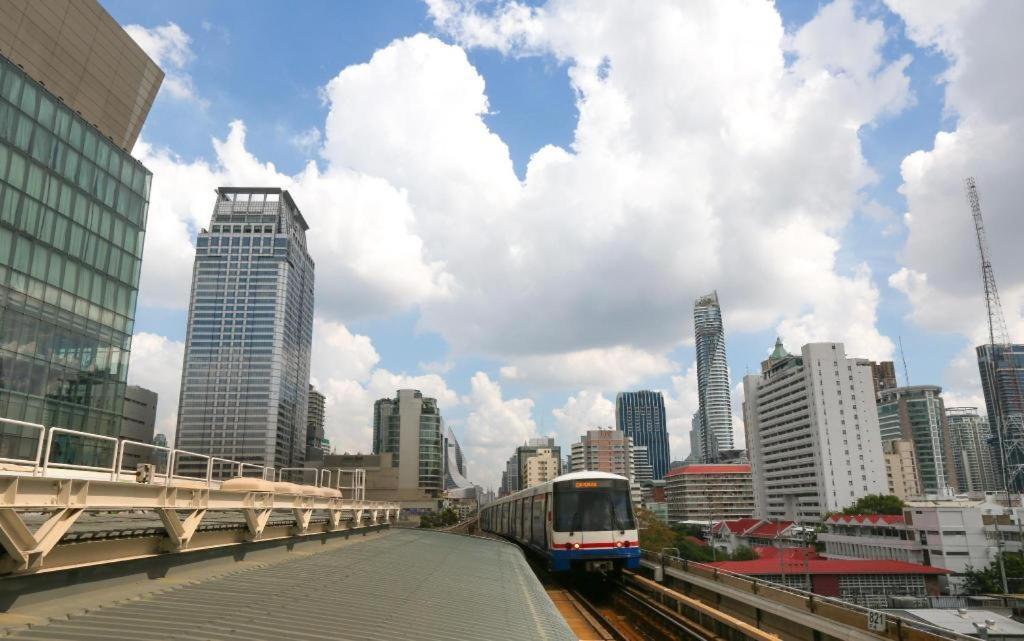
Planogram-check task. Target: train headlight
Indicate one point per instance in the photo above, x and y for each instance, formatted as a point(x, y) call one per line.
point(575, 546)
point(618, 544)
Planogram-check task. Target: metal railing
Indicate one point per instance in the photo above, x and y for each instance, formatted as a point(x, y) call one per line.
point(811, 602)
point(39, 444)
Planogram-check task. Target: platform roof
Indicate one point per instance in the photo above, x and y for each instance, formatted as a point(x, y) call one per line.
point(398, 584)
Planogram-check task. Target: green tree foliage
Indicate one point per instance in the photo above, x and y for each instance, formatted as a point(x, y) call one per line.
point(444, 518)
point(744, 553)
point(654, 534)
point(876, 504)
point(988, 580)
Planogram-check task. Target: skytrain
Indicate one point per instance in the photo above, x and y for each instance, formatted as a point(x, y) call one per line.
point(582, 521)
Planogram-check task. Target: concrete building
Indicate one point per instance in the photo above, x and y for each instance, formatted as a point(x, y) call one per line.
point(812, 433)
point(603, 451)
point(316, 444)
point(1002, 381)
point(709, 492)
point(641, 417)
point(642, 470)
point(245, 380)
point(532, 448)
point(84, 59)
point(138, 424)
point(410, 428)
point(541, 468)
point(954, 534)
point(901, 468)
point(713, 393)
point(917, 414)
point(974, 454)
point(883, 375)
point(74, 90)
point(384, 482)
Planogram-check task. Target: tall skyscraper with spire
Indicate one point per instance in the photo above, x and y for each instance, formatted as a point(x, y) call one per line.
point(715, 411)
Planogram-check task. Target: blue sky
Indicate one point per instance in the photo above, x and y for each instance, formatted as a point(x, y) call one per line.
point(268, 66)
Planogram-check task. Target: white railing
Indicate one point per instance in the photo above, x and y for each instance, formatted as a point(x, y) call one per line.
point(75, 466)
point(119, 465)
point(39, 445)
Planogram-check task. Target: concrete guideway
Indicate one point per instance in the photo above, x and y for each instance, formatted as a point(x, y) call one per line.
point(395, 584)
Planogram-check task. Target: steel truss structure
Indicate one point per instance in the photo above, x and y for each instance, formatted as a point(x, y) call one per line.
point(59, 493)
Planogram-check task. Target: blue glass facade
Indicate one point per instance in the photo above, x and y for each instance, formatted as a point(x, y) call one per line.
point(73, 210)
point(641, 416)
point(245, 380)
point(1002, 381)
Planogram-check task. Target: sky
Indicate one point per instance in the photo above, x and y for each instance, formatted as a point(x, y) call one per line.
point(514, 205)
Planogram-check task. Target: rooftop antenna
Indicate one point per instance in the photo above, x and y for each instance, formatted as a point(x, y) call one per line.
point(903, 357)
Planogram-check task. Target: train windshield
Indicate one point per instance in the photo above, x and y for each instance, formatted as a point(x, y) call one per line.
point(592, 505)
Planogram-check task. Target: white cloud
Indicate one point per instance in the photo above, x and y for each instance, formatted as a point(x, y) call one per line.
point(613, 368)
point(306, 141)
point(493, 428)
point(681, 401)
point(156, 365)
point(171, 49)
point(340, 354)
point(940, 275)
point(586, 410)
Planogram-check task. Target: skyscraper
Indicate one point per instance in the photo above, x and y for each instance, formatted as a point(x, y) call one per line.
point(410, 427)
point(712, 378)
point(641, 417)
point(245, 379)
point(315, 417)
point(917, 414)
point(1002, 381)
point(74, 91)
point(974, 453)
point(812, 430)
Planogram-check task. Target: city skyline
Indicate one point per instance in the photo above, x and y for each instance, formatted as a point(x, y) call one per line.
point(396, 312)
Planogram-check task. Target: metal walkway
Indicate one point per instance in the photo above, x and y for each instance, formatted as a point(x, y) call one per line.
point(398, 584)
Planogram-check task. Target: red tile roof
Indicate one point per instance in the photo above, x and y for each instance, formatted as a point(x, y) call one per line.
point(700, 468)
point(873, 519)
point(736, 526)
point(769, 529)
point(696, 541)
point(769, 566)
point(790, 554)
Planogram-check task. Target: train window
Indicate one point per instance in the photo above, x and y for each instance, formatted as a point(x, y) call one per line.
point(592, 505)
point(527, 522)
point(539, 530)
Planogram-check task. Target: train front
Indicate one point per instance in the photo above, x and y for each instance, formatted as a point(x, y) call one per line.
point(593, 527)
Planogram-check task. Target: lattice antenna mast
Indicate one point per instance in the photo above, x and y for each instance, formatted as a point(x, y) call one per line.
point(997, 333)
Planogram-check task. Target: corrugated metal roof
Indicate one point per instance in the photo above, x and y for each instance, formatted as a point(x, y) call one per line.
point(402, 584)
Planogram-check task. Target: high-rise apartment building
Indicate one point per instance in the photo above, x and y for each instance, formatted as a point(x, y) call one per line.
point(709, 492)
point(883, 375)
point(410, 428)
point(901, 468)
point(975, 456)
point(316, 415)
point(245, 379)
point(812, 433)
point(641, 417)
point(1002, 381)
point(534, 447)
point(74, 89)
point(603, 451)
point(712, 378)
point(541, 468)
point(917, 414)
point(642, 470)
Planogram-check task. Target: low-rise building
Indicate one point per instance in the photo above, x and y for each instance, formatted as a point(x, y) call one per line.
point(708, 492)
point(753, 533)
point(862, 581)
point(138, 423)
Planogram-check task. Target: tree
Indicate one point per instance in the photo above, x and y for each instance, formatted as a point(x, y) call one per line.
point(744, 553)
point(654, 534)
point(876, 504)
point(988, 580)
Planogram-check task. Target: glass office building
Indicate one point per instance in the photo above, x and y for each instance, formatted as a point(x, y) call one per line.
point(411, 429)
point(73, 209)
point(715, 407)
point(245, 380)
point(1002, 381)
point(641, 417)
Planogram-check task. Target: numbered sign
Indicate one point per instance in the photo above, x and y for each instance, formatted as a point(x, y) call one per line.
point(876, 621)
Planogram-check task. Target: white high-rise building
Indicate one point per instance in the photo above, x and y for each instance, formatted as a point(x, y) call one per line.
point(715, 426)
point(812, 433)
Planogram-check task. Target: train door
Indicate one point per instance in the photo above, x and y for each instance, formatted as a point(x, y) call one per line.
point(527, 519)
point(540, 520)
